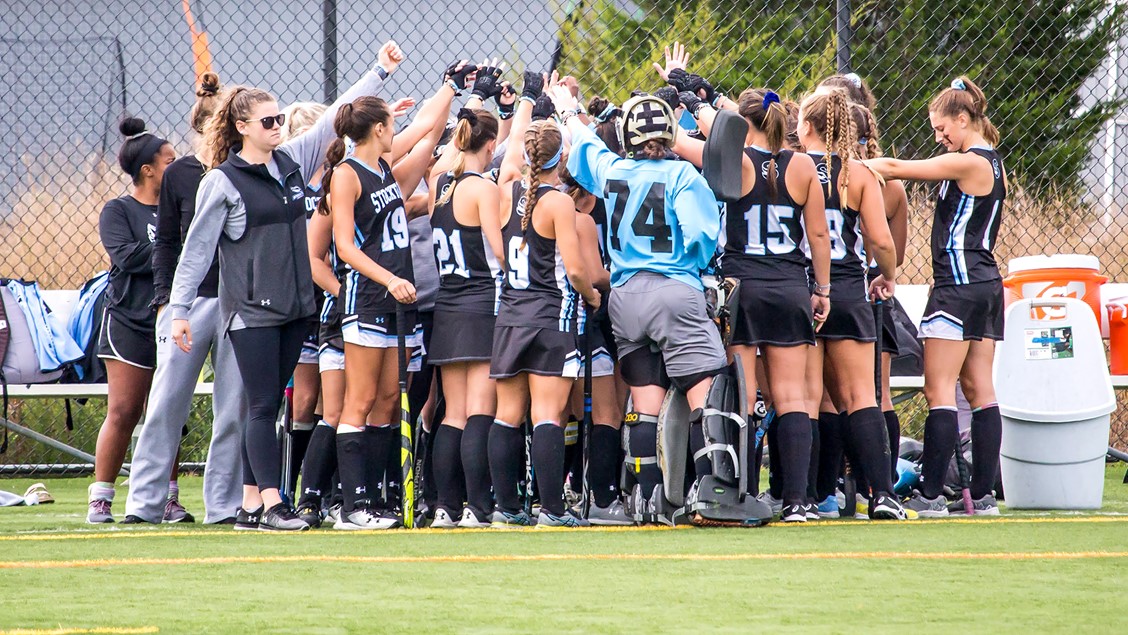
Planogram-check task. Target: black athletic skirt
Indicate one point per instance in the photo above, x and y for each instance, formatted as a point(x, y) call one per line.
point(773, 315)
point(461, 337)
point(849, 320)
point(540, 351)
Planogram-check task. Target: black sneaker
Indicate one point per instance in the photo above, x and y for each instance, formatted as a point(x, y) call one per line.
point(310, 512)
point(247, 521)
point(811, 509)
point(793, 514)
point(281, 517)
point(131, 519)
point(886, 508)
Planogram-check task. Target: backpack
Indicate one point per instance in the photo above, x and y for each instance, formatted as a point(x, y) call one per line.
point(84, 325)
point(909, 361)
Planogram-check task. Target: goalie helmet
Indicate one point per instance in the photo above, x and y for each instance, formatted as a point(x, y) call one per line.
point(645, 118)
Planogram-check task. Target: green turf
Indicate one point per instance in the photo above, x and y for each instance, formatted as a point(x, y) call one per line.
point(580, 593)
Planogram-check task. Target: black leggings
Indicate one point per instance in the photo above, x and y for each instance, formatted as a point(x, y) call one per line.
point(266, 357)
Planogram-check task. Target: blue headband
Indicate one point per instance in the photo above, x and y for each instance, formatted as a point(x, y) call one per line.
point(608, 113)
point(769, 99)
point(959, 84)
point(854, 79)
point(551, 163)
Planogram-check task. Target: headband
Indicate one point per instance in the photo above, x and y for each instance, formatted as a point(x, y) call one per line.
point(144, 156)
point(608, 113)
point(551, 163)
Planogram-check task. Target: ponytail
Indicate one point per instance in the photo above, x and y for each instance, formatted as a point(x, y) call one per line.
point(354, 120)
point(475, 128)
point(543, 146)
point(831, 117)
point(964, 96)
point(763, 110)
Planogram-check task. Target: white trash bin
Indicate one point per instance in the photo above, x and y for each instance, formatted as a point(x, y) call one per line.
point(1055, 397)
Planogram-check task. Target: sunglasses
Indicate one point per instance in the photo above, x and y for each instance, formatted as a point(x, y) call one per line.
point(269, 122)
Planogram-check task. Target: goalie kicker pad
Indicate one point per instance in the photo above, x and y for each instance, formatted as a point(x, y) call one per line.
point(673, 444)
point(723, 156)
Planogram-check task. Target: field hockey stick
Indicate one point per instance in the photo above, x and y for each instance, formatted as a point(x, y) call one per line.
point(585, 427)
point(287, 440)
point(965, 479)
point(407, 447)
point(527, 426)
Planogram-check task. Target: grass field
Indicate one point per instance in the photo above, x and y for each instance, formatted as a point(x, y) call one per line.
point(1026, 571)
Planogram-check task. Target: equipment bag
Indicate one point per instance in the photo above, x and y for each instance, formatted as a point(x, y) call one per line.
point(84, 325)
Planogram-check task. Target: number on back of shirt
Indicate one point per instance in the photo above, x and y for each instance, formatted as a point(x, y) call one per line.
point(448, 253)
point(649, 219)
point(768, 233)
point(517, 257)
point(395, 231)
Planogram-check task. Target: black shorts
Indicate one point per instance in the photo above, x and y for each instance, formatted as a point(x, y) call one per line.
point(310, 346)
point(461, 337)
point(773, 315)
point(849, 320)
point(964, 312)
point(124, 343)
point(528, 349)
point(888, 328)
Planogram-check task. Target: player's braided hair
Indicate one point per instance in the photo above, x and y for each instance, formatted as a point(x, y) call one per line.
point(964, 96)
point(829, 114)
point(355, 121)
point(542, 142)
point(867, 131)
point(771, 120)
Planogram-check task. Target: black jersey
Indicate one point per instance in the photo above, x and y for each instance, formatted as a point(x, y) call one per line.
point(381, 233)
point(763, 236)
point(469, 273)
point(599, 215)
point(847, 249)
point(127, 229)
point(535, 291)
point(965, 229)
point(312, 199)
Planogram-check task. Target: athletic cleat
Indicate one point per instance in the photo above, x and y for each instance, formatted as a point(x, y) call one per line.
point(334, 513)
point(132, 519)
point(175, 513)
point(502, 519)
point(812, 511)
point(443, 520)
point(887, 508)
point(775, 503)
point(98, 512)
point(927, 507)
point(281, 517)
point(861, 507)
point(611, 516)
point(245, 520)
point(546, 519)
point(829, 507)
point(470, 520)
point(365, 519)
point(793, 514)
point(986, 506)
point(310, 513)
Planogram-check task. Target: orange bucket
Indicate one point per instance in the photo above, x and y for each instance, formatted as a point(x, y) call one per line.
point(1061, 276)
point(1118, 336)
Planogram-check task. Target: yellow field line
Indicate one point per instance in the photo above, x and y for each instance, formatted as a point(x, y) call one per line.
point(107, 630)
point(171, 533)
point(556, 557)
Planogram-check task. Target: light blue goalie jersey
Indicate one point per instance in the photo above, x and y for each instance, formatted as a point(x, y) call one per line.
point(661, 215)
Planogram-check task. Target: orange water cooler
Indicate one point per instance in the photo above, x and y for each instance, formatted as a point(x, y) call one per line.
point(1118, 336)
point(1060, 276)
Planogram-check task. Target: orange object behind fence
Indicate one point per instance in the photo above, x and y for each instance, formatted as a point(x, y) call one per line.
point(1118, 336)
point(1061, 276)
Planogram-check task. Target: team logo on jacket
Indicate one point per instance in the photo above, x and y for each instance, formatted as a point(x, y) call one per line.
point(296, 192)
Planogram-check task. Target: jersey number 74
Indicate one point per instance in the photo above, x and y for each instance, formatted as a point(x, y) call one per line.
point(648, 220)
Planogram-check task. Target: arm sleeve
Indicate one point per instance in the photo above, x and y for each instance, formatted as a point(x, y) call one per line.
point(698, 216)
point(308, 149)
point(166, 246)
point(212, 207)
point(589, 160)
point(126, 252)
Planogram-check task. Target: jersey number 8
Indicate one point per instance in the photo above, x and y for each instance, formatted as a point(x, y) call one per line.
point(649, 219)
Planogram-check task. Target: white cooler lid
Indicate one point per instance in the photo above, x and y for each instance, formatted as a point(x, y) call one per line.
point(1057, 261)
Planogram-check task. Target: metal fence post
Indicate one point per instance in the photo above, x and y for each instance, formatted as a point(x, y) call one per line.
point(843, 34)
point(329, 48)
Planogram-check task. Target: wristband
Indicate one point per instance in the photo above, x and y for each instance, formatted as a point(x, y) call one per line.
point(380, 70)
point(822, 295)
point(565, 115)
point(454, 87)
point(504, 114)
point(528, 99)
point(717, 101)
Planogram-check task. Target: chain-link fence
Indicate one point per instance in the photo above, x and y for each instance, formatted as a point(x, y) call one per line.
point(1055, 73)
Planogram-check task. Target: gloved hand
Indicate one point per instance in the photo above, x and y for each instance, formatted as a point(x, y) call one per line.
point(668, 94)
point(458, 71)
point(544, 108)
point(691, 101)
point(702, 87)
point(533, 86)
point(679, 79)
point(488, 83)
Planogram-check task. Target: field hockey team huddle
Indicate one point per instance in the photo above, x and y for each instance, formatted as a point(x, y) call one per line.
point(514, 243)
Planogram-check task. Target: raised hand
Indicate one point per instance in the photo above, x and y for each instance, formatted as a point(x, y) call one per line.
point(487, 84)
point(668, 94)
point(459, 72)
point(390, 56)
point(677, 59)
point(401, 106)
point(533, 85)
point(562, 98)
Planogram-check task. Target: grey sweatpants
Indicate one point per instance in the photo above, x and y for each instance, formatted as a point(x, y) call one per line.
point(170, 400)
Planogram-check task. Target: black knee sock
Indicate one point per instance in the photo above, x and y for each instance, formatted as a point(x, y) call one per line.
point(868, 436)
point(318, 465)
point(448, 469)
point(794, 441)
point(548, 464)
point(376, 440)
point(941, 434)
point(427, 446)
point(775, 468)
point(476, 464)
point(986, 437)
point(644, 445)
point(352, 464)
point(893, 429)
point(299, 444)
point(813, 466)
point(506, 448)
point(830, 454)
point(603, 463)
point(393, 468)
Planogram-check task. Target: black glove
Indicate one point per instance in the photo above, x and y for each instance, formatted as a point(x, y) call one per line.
point(488, 83)
point(668, 94)
point(679, 79)
point(533, 86)
point(691, 101)
point(459, 75)
point(544, 108)
point(505, 111)
point(699, 83)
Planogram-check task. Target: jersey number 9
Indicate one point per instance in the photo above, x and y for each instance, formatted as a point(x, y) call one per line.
point(518, 260)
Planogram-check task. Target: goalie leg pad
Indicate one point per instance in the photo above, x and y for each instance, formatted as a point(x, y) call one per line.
point(640, 452)
point(718, 425)
point(673, 444)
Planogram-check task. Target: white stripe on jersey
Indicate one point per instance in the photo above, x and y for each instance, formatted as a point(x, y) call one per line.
point(957, 236)
point(990, 222)
point(567, 301)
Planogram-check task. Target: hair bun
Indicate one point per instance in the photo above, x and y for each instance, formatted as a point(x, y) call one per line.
point(131, 126)
point(209, 85)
